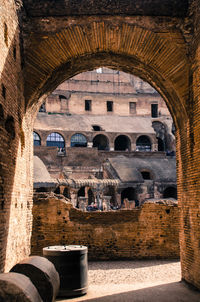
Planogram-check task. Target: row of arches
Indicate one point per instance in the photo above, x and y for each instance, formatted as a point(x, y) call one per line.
point(100, 141)
point(128, 193)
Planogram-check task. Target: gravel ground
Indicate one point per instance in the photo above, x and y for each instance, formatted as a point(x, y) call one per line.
point(145, 281)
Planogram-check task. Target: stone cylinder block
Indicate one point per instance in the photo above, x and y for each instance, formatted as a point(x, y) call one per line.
point(43, 275)
point(17, 287)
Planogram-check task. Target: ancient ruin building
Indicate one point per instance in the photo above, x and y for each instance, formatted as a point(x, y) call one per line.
point(44, 43)
point(107, 137)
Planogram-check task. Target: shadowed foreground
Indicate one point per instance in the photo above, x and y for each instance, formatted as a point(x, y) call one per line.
point(145, 281)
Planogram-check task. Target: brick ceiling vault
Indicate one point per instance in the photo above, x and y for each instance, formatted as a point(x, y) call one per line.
point(159, 58)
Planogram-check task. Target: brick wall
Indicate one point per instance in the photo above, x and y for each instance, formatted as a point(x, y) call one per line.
point(189, 163)
point(148, 232)
point(15, 154)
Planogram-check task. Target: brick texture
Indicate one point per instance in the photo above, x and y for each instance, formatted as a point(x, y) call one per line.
point(148, 232)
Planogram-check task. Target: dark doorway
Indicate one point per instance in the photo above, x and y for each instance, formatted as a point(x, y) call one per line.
point(81, 192)
point(170, 192)
point(128, 193)
point(122, 143)
point(101, 142)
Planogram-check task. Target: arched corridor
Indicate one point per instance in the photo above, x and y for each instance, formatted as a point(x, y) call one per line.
point(122, 143)
point(100, 142)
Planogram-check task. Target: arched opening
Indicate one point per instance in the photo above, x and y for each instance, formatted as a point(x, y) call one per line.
point(122, 143)
point(78, 140)
point(96, 128)
point(170, 192)
point(146, 175)
point(128, 193)
point(100, 142)
point(55, 140)
point(36, 139)
point(143, 144)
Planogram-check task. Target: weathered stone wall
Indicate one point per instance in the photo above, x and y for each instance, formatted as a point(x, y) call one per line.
point(189, 162)
point(147, 232)
point(119, 87)
point(15, 155)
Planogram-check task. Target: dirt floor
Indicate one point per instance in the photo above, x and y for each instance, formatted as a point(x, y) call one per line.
point(136, 281)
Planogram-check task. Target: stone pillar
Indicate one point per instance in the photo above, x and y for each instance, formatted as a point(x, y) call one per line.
point(90, 144)
point(133, 146)
point(74, 197)
point(112, 146)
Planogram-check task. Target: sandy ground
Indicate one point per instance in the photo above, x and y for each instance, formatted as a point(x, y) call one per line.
point(136, 281)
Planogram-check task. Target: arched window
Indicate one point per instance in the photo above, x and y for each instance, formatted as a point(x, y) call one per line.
point(78, 140)
point(143, 144)
point(100, 141)
point(170, 192)
point(36, 139)
point(55, 140)
point(122, 143)
point(96, 128)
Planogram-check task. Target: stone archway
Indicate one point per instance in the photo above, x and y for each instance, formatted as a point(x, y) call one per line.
point(101, 142)
point(55, 50)
point(122, 143)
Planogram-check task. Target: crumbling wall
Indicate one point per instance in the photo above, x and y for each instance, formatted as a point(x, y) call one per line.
point(150, 231)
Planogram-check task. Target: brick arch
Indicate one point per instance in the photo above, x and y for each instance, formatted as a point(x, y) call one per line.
point(157, 58)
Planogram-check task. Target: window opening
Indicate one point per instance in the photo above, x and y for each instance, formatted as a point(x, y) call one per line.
point(88, 105)
point(42, 108)
point(96, 128)
point(55, 140)
point(154, 110)
point(109, 106)
point(132, 107)
point(146, 175)
point(78, 140)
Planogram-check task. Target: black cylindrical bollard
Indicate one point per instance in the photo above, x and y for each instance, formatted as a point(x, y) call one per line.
point(71, 263)
point(17, 287)
point(43, 275)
